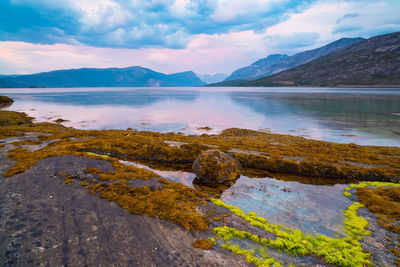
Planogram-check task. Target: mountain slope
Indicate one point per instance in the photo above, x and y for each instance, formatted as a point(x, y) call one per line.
point(213, 78)
point(111, 77)
point(277, 63)
point(375, 61)
point(258, 69)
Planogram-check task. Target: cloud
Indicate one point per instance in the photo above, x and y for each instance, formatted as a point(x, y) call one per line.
point(204, 54)
point(292, 41)
point(346, 28)
point(136, 24)
point(336, 19)
point(169, 36)
point(348, 16)
point(26, 20)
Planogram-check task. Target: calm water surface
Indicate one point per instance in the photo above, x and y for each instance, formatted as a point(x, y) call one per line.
point(362, 116)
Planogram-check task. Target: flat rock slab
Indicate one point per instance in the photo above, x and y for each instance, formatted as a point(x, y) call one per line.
point(44, 222)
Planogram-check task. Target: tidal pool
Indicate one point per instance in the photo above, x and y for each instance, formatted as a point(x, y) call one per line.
point(313, 209)
point(361, 116)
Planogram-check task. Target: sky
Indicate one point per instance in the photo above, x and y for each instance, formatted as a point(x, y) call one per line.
point(205, 36)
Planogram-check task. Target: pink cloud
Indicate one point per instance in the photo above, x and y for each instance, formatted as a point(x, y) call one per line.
point(204, 54)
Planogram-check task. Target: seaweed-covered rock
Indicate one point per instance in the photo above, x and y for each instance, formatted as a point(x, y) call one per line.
point(216, 167)
point(5, 101)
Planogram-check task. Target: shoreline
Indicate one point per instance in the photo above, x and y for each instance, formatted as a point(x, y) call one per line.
point(261, 154)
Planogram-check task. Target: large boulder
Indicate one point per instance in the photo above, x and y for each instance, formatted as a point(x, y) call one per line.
point(215, 167)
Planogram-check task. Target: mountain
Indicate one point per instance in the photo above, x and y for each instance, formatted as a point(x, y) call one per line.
point(277, 63)
point(111, 77)
point(213, 78)
point(258, 69)
point(375, 61)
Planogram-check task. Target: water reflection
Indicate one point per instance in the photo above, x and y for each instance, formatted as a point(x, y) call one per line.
point(313, 209)
point(310, 208)
point(367, 116)
point(350, 116)
point(183, 177)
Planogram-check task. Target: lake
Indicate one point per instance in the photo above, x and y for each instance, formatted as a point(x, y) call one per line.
point(351, 115)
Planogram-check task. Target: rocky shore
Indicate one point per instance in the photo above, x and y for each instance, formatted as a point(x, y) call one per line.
point(66, 198)
point(47, 223)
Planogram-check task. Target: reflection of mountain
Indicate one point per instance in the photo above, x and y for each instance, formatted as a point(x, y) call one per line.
point(111, 77)
point(138, 98)
point(368, 112)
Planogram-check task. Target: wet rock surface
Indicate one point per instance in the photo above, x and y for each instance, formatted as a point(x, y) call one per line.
point(216, 167)
point(44, 222)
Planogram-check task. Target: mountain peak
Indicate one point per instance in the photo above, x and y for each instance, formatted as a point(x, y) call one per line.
point(110, 77)
point(278, 62)
point(371, 62)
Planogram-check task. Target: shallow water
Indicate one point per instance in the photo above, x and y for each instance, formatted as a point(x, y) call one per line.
point(310, 208)
point(313, 209)
point(362, 116)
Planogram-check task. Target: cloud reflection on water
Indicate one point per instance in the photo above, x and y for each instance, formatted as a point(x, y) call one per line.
point(320, 116)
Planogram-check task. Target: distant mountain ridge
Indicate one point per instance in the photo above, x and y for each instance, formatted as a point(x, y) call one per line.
point(277, 62)
point(372, 62)
point(257, 69)
point(213, 78)
point(111, 77)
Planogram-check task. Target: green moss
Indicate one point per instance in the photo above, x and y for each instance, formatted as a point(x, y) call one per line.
point(355, 226)
point(250, 256)
point(345, 251)
point(347, 194)
point(374, 184)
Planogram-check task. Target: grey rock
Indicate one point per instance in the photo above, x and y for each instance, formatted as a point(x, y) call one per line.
point(44, 222)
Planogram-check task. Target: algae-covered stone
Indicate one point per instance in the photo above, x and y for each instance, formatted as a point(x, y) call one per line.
point(5, 101)
point(216, 167)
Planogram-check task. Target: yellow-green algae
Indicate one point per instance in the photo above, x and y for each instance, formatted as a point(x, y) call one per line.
point(382, 199)
point(365, 184)
point(346, 251)
point(347, 194)
point(374, 184)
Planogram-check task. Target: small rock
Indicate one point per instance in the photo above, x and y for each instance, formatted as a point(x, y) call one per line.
point(215, 167)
